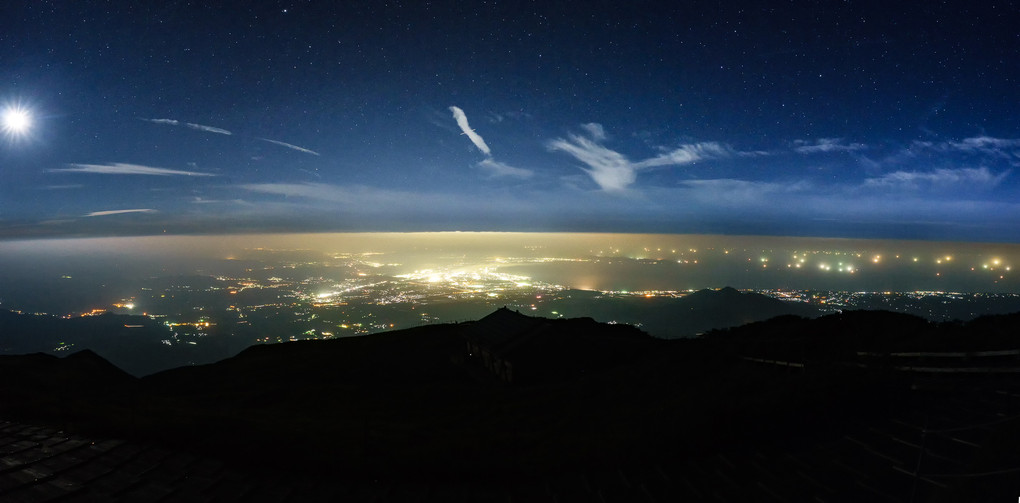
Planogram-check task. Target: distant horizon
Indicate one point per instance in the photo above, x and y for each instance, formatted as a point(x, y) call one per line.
point(318, 221)
point(453, 232)
point(243, 233)
point(73, 268)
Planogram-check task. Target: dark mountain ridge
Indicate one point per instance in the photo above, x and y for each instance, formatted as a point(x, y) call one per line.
point(138, 344)
point(727, 307)
point(420, 406)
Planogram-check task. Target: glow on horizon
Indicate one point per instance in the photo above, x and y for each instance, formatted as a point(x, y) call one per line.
point(598, 244)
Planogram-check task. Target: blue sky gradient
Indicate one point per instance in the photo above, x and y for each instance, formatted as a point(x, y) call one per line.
point(842, 119)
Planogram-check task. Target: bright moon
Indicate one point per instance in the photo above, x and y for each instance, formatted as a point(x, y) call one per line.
point(16, 121)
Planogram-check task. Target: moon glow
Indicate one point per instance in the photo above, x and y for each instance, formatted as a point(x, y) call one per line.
point(16, 122)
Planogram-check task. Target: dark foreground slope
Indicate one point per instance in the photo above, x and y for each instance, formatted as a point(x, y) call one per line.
point(849, 407)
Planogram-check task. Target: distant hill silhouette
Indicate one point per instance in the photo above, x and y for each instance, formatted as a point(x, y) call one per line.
point(133, 342)
point(675, 317)
point(840, 407)
point(727, 307)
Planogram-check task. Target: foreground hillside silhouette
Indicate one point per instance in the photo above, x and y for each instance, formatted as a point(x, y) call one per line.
point(140, 345)
point(848, 407)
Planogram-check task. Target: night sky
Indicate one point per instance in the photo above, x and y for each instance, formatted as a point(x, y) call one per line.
point(852, 119)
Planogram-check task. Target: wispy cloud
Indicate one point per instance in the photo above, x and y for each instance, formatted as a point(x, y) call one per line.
point(316, 191)
point(948, 155)
point(737, 185)
point(686, 154)
point(211, 129)
point(208, 129)
point(999, 148)
point(118, 168)
point(199, 127)
point(612, 171)
point(985, 144)
point(499, 169)
point(595, 130)
point(119, 212)
point(202, 200)
point(825, 145)
point(358, 199)
point(462, 121)
point(290, 146)
point(489, 165)
point(361, 206)
point(729, 192)
point(940, 178)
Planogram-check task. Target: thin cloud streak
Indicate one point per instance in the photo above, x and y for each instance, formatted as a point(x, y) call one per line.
point(462, 121)
point(192, 125)
point(736, 193)
point(354, 195)
point(826, 145)
point(208, 129)
point(202, 200)
point(118, 168)
point(118, 212)
point(314, 191)
point(499, 169)
point(377, 202)
point(939, 178)
point(985, 144)
point(290, 146)
point(686, 154)
point(719, 185)
point(1000, 148)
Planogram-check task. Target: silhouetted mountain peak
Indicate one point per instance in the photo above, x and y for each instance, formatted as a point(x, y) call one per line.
point(523, 349)
point(86, 355)
point(710, 309)
point(725, 294)
point(89, 361)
